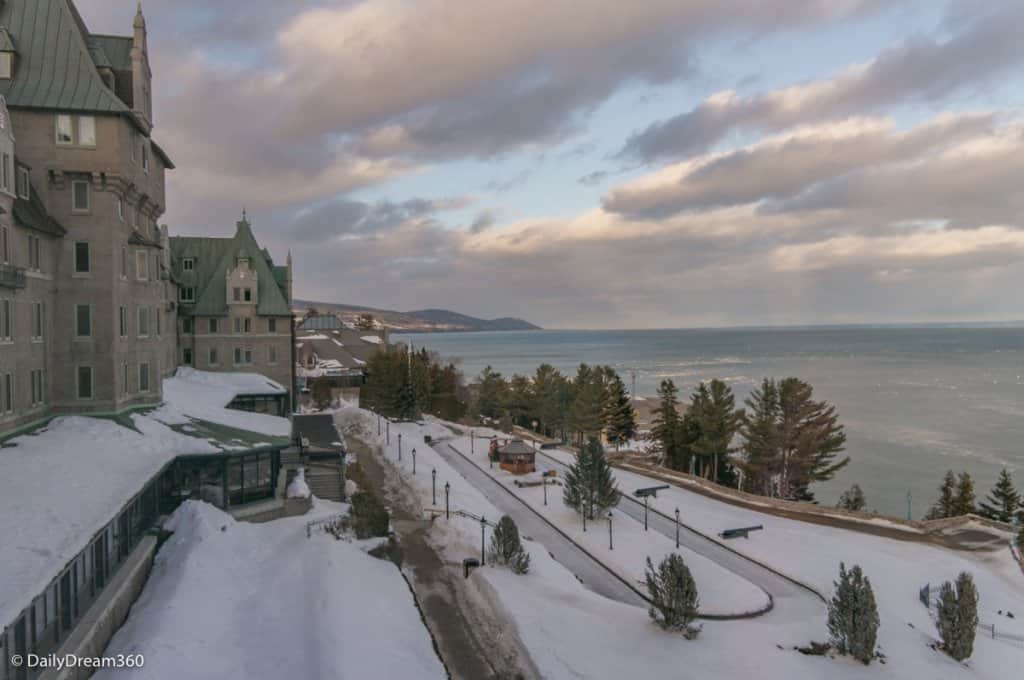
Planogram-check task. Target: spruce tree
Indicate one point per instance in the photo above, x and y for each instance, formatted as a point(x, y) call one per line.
point(1003, 501)
point(713, 406)
point(852, 499)
point(606, 493)
point(946, 505)
point(853, 615)
point(577, 492)
point(665, 424)
point(619, 418)
point(588, 397)
point(958, 616)
point(506, 548)
point(673, 593)
point(964, 504)
point(590, 488)
point(761, 456)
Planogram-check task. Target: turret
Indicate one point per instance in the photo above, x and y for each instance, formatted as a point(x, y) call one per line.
point(142, 97)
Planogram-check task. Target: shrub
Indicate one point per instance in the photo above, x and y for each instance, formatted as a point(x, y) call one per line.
point(673, 592)
point(853, 615)
point(369, 516)
point(506, 547)
point(958, 616)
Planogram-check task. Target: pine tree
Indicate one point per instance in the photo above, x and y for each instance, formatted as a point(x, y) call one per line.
point(713, 407)
point(590, 488)
point(673, 593)
point(1003, 501)
point(853, 615)
point(958, 616)
point(588, 397)
point(945, 506)
point(852, 499)
point(491, 393)
point(619, 418)
point(506, 547)
point(665, 424)
point(964, 503)
point(761, 455)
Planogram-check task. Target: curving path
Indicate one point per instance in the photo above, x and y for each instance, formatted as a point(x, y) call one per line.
point(793, 601)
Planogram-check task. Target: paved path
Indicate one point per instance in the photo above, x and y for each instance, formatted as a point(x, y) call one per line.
point(589, 571)
point(792, 602)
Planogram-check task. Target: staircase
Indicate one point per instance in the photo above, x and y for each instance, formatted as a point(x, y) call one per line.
point(326, 481)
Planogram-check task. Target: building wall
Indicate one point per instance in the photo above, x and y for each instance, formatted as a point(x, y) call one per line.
point(195, 336)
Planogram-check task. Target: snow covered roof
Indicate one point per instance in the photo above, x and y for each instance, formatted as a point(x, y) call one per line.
point(62, 483)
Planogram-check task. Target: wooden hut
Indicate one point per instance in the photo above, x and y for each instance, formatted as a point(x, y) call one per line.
point(516, 456)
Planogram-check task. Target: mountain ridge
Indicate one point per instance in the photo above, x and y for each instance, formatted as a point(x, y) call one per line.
point(433, 320)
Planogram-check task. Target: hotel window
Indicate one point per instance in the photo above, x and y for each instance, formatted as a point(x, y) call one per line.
point(80, 196)
point(248, 356)
point(120, 207)
point(143, 322)
point(23, 183)
point(86, 131)
point(5, 172)
point(6, 322)
point(6, 65)
point(124, 378)
point(123, 319)
point(64, 129)
point(83, 321)
point(33, 253)
point(188, 264)
point(236, 294)
point(213, 356)
point(186, 325)
point(188, 294)
point(82, 265)
point(143, 377)
point(141, 265)
point(5, 245)
point(272, 355)
point(212, 328)
point(247, 325)
point(9, 393)
point(186, 356)
point(38, 321)
point(38, 392)
point(238, 355)
point(271, 325)
point(85, 382)
point(248, 294)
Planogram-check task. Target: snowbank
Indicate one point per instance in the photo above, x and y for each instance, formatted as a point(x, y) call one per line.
point(231, 599)
point(205, 395)
point(372, 339)
point(297, 488)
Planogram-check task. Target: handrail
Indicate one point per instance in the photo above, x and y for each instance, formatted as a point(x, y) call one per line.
point(332, 519)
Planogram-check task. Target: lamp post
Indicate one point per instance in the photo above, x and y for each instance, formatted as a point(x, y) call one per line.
point(447, 487)
point(387, 432)
point(645, 513)
point(909, 499)
point(433, 486)
point(490, 458)
point(483, 530)
point(584, 520)
point(472, 442)
point(677, 528)
point(536, 442)
point(378, 424)
point(414, 461)
point(544, 483)
point(610, 547)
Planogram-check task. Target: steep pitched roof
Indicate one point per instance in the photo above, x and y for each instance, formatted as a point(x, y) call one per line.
point(212, 259)
point(117, 49)
point(31, 214)
point(56, 68)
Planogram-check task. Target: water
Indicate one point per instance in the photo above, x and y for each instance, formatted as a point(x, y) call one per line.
point(915, 401)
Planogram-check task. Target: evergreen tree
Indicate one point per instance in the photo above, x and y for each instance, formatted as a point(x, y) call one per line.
point(958, 616)
point(673, 593)
point(761, 455)
point(1003, 501)
point(490, 393)
point(590, 488)
point(619, 418)
point(665, 425)
point(588, 398)
point(713, 408)
point(369, 516)
point(946, 505)
point(852, 499)
point(853, 615)
point(964, 504)
point(551, 393)
point(506, 547)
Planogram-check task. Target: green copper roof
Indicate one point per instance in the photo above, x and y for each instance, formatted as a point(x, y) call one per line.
point(212, 259)
point(118, 50)
point(6, 43)
point(54, 67)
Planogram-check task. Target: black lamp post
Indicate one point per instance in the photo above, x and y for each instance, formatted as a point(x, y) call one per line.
point(677, 528)
point(645, 513)
point(585, 510)
point(610, 547)
point(378, 424)
point(472, 442)
point(414, 461)
point(544, 482)
point(387, 432)
point(447, 487)
point(483, 529)
point(399, 446)
point(433, 486)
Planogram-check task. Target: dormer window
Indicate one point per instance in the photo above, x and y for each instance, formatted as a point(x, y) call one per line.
point(243, 264)
point(6, 65)
point(23, 182)
point(188, 264)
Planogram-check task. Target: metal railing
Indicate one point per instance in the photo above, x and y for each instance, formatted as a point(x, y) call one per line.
point(329, 524)
point(929, 597)
point(11, 276)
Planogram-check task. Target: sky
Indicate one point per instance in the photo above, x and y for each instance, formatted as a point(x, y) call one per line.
point(606, 164)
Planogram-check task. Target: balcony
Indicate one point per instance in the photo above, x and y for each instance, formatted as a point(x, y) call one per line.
point(11, 276)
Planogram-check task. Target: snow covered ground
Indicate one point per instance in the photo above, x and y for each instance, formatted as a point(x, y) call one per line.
point(62, 483)
point(721, 592)
point(230, 599)
point(572, 632)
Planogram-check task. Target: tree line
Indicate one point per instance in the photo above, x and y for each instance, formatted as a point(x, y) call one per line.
point(781, 443)
point(405, 384)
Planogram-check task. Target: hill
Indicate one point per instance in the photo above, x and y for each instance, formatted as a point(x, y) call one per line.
point(420, 320)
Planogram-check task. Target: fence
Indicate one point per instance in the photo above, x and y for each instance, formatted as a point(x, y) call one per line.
point(929, 597)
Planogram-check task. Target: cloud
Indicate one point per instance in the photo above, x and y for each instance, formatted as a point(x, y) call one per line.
point(593, 178)
point(788, 164)
point(920, 69)
point(343, 218)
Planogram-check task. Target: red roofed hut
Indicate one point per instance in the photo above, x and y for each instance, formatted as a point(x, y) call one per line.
point(516, 457)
